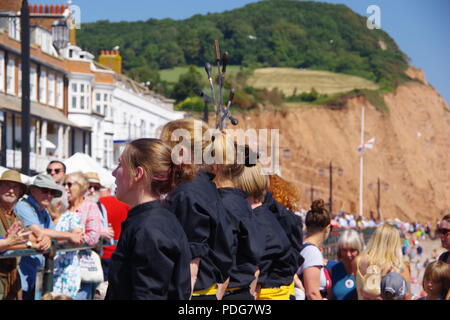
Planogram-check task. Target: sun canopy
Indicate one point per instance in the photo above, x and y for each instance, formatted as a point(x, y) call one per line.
point(84, 163)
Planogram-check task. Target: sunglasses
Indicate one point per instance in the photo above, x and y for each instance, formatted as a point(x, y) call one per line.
point(49, 171)
point(96, 187)
point(49, 191)
point(69, 184)
point(443, 231)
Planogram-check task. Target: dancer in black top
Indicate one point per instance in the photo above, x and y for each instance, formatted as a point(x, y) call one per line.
point(291, 224)
point(197, 205)
point(276, 265)
point(152, 258)
point(249, 242)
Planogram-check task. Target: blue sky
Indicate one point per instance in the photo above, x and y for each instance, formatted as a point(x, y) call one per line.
point(421, 28)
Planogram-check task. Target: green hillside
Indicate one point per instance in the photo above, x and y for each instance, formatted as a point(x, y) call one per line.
point(271, 33)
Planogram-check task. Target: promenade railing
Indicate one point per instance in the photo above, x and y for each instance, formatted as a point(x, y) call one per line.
point(44, 276)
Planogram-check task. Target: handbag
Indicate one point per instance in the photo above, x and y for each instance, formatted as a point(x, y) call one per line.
point(90, 267)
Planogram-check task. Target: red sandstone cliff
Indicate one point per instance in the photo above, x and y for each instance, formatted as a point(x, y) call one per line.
point(411, 152)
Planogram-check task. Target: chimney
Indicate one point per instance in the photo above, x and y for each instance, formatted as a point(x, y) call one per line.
point(111, 59)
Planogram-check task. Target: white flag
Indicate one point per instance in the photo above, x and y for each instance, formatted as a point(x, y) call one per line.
point(368, 145)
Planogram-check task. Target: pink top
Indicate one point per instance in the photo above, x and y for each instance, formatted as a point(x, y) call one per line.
point(90, 217)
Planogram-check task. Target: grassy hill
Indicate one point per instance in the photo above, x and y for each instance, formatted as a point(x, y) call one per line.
point(290, 81)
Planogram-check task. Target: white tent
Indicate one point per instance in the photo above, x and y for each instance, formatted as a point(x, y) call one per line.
point(84, 163)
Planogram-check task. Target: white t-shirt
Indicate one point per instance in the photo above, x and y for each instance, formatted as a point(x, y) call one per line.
point(313, 258)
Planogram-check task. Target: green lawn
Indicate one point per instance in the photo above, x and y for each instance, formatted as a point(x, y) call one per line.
point(172, 75)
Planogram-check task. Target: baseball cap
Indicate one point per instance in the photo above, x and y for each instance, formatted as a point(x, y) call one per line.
point(393, 286)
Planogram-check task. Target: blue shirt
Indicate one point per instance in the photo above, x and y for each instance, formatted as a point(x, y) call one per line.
point(28, 211)
point(344, 284)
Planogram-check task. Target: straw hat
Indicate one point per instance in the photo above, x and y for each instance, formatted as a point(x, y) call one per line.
point(14, 176)
point(92, 177)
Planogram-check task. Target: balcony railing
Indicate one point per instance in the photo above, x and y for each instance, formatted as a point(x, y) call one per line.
point(38, 162)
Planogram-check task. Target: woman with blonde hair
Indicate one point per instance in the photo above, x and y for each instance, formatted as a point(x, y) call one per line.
point(152, 258)
point(66, 274)
point(382, 255)
point(277, 264)
point(197, 204)
point(249, 245)
point(349, 246)
point(88, 213)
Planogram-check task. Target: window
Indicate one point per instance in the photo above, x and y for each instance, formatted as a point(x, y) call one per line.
point(82, 88)
point(59, 93)
point(19, 82)
point(33, 84)
point(14, 28)
point(74, 102)
point(143, 128)
point(43, 87)
point(74, 87)
point(51, 89)
point(2, 71)
point(10, 77)
point(82, 105)
point(98, 96)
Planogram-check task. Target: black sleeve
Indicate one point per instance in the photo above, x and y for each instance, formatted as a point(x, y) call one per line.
point(194, 220)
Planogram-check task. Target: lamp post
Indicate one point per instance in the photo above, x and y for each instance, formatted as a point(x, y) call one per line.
point(205, 112)
point(61, 39)
point(340, 173)
point(25, 57)
point(385, 186)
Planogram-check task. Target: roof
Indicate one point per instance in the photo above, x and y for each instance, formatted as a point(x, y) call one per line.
point(10, 5)
point(38, 110)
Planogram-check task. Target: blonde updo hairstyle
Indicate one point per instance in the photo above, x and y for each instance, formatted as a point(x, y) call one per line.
point(154, 156)
point(253, 181)
point(223, 150)
point(196, 130)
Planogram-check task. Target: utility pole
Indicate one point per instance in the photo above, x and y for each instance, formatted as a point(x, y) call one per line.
point(361, 166)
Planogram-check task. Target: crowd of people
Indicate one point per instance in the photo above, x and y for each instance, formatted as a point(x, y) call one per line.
point(185, 230)
point(69, 210)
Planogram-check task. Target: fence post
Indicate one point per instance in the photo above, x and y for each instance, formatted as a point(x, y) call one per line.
point(48, 269)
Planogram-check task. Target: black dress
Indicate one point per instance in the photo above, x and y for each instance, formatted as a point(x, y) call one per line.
point(152, 258)
point(291, 224)
point(278, 261)
point(200, 211)
point(250, 243)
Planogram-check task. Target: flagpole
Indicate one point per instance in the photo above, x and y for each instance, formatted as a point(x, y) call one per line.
point(361, 165)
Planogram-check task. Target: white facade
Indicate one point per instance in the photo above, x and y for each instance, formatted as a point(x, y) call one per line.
point(115, 113)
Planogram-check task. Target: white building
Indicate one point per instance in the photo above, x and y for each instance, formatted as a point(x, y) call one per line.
point(50, 129)
point(115, 108)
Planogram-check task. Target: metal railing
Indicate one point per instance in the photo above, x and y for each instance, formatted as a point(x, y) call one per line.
point(48, 268)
